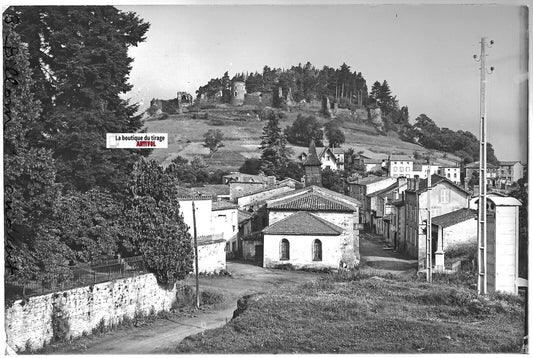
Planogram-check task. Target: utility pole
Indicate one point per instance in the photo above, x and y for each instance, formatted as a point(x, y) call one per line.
point(482, 201)
point(195, 255)
point(428, 230)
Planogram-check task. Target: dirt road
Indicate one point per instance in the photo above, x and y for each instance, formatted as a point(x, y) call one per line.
point(378, 257)
point(245, 279)
point(164, 334)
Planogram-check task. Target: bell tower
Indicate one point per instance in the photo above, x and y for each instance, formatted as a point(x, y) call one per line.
point(313, 174)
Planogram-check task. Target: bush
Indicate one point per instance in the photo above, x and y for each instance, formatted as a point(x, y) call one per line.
point(211, 297)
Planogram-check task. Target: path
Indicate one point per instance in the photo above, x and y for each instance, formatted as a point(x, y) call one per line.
point(164, 334)
point(246, 279)
point(376, 255)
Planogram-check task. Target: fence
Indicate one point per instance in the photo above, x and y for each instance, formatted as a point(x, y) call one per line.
point(82, 275)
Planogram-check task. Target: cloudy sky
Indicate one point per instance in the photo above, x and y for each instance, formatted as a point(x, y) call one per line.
point(423, 51)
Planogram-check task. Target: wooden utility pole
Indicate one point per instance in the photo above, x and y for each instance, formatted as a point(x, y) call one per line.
point(482, 201)
point(428, 229)
point(195, 255)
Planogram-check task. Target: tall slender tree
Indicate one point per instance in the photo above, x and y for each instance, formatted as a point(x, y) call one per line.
point(274, 157)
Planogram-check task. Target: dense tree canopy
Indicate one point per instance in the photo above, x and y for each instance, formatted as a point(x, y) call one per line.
point(79, 60)
point(303, 130)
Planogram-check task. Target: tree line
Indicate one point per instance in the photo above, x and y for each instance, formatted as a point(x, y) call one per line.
point(68, 199)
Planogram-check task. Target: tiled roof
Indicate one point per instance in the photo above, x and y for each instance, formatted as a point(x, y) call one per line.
point(223, 205)
point(455, 217)
point(436, 179)
point(263, 189)
point(214, 189)
point(400, 157)
point(243, 216)
point(370, 180)
point(384, 191)
point(311, 201)
point(303, 223)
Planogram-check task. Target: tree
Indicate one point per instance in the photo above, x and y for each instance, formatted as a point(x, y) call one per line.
point(334, 135)
point(474, 180)
point(80, 65)
point(161, 235)
point(213, 140)
point(251, 166)
point(273, 146)
point(303, 130)
point(32, 250)
point(333, 180)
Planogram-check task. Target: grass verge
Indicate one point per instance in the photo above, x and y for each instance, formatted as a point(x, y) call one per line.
point(362, 314)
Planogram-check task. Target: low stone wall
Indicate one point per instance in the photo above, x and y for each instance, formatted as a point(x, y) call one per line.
point(70, 313)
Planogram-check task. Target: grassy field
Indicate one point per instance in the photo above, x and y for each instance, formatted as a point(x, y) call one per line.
point(367, 315)
point(242, 132)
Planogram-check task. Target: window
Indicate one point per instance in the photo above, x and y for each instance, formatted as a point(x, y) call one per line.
point(284, 250)
point(455, 175)
point(395, 169)
point(401, 169)
point(444, 196)
point(317, 250)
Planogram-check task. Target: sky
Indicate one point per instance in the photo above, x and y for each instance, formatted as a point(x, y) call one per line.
point(425, 52)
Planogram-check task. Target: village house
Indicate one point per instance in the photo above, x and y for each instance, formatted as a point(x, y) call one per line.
point(381, 207)
point(400, 166)
point(360, 188)
point(211, 242)
point(420, 169)
point(225, 221)
point(510, 172)
point(492, 173)
point(451, 172)
point(331, 158)
point(446, 197)
point(313, 226)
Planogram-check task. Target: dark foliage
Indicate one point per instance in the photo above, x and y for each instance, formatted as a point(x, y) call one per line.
point(303, 130)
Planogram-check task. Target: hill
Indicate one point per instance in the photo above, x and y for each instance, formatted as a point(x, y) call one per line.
point(242, 131)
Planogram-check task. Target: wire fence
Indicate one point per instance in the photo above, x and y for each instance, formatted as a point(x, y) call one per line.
point(82, 275)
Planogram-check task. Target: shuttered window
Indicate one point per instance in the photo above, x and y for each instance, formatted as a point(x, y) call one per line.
point(317, 250)
point(284, 250)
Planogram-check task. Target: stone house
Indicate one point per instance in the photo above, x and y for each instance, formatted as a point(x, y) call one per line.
point(446, 197)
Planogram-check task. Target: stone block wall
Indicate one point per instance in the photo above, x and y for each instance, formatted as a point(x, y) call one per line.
point(79, 310)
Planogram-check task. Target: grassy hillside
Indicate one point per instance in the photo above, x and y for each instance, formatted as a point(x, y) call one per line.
point(367, 315)
point(242, 131)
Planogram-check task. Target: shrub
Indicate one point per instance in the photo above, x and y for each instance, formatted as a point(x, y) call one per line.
point(211, 297)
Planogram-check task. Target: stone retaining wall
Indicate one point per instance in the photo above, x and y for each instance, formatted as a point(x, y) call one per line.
point(70, 313)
